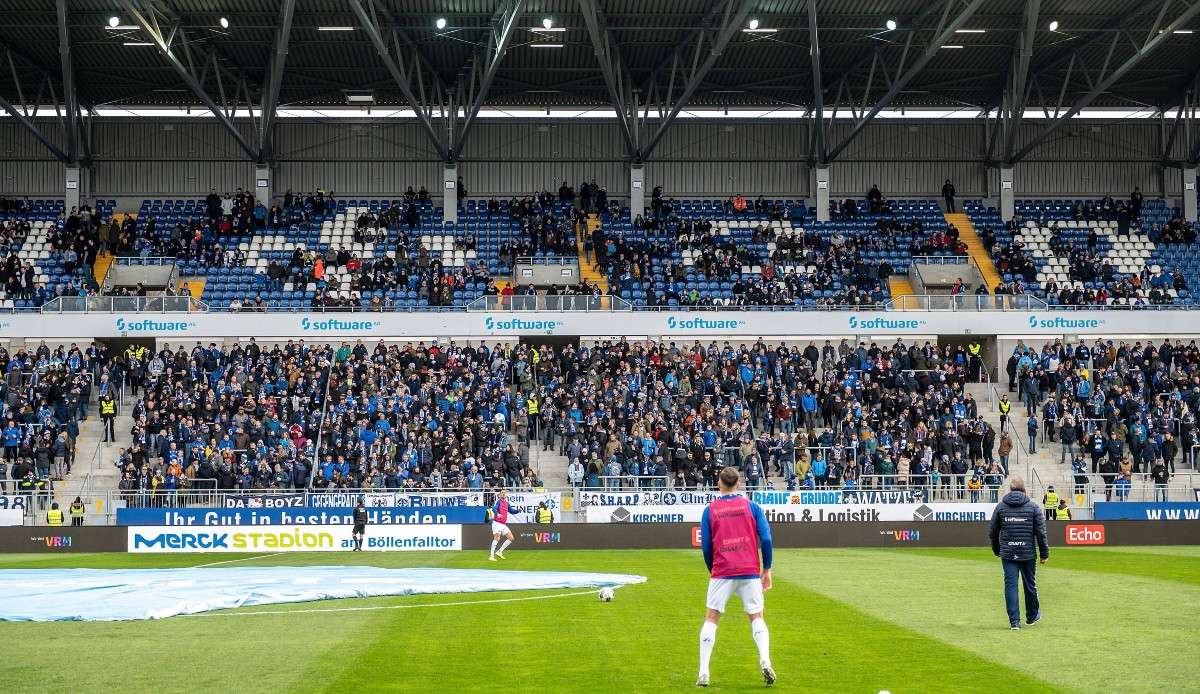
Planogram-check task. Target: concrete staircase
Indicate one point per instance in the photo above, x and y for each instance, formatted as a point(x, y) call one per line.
point(900, 289)
point(968, 235)
point(100, 269)
point(94, 473)
point(589, 271)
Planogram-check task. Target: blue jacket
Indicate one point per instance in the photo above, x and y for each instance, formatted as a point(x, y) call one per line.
point(1018, 529)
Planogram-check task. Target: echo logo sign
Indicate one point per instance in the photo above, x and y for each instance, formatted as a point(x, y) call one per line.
point(1085, 534)
point(696, 537)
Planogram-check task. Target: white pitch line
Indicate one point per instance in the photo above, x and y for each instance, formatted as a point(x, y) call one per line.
point(393, 607)
point(230, 561)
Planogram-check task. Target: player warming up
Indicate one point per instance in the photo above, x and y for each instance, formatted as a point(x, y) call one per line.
point(360, 524)
point(732, 531)
point(500, 526)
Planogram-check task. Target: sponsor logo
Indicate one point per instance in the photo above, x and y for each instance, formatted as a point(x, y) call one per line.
point(902, 535)
point(339, 325)
point(696, 537)
point(674, 323)
point(547, 538)
point(150, 325)
point(5, 325)
point(1085, 534)
point(882, 323)
point(490, 323)
point(1061, 323)
point(57, 541)
point(253, 539)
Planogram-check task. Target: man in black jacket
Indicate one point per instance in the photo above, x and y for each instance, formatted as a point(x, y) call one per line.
point(1018, 535)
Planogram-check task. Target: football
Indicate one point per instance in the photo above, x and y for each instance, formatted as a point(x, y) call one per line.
point(606, 594)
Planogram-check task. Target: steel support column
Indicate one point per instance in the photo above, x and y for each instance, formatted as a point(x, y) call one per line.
point(1008, 202)
point(637, 190)
point(68, 85)
point(1188, 188)
point(450, 193)
point(270, 100)
point(817, 155)
point(483, 70)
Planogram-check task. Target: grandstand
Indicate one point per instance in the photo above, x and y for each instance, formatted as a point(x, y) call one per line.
point(262, 261)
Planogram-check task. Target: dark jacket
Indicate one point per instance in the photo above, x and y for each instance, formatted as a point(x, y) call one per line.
point(1017, 526)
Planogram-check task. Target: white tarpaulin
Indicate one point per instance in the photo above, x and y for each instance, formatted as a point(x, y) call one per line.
point(52, 595)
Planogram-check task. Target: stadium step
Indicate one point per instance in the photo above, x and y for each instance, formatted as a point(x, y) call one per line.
point(968, 235)
point(899, 287)
point(100, 269)
point(195, 285)
point(94, 474)
point(588, 270)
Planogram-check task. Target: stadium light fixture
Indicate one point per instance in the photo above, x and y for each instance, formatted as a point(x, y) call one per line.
point(952, 45)
point(546, 45)
point(137, 43)
point(113, 21)
point(970, 31)
point(224, 23)
point(1054, 25)
point(547, 23)
point(891, 25)
point(335, 28)
point(440, 23)
point(753, 24)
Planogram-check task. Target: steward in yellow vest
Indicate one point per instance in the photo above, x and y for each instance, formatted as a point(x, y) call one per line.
point(54, 516)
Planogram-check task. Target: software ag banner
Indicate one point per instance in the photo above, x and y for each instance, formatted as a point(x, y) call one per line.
point(290, 538)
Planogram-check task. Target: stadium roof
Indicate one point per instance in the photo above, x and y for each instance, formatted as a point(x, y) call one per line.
point(648, 56)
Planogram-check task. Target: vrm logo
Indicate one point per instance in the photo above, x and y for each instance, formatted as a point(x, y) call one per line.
point(902, 535)
point(1085, 534)
point(547, 538)
point(58, 541)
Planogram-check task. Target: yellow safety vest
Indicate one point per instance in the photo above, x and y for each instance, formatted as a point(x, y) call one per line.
point(77, 510)
point(1005, 406)
point(531, 406)
point(108, 407)
point(974, 349)
point(1051, 500)
point(544, 515)
point(1062, 514)
point(54, 516)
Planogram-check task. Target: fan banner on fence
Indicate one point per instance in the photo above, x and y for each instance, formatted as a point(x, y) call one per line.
point(1161, 511)
point(293, 538)
point(436, 515)
point(523, 505)
point(263, 500)
point(797, 513)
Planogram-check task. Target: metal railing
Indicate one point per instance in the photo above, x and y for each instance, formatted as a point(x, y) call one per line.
point(124, 304)
point(966, 302)
point(547, 260)
point(543, 302)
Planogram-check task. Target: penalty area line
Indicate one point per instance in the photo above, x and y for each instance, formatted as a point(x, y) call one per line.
point(231, 561)
point(372, 608)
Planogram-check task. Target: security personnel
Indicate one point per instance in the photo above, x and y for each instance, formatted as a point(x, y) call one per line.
point(108, 417)
point(975, 352)
point(1062, 513)
point(534, 411)
point(1005, 407)
point(543, 514)
point(54, 516)
point(77, 511)
point(1050, 502)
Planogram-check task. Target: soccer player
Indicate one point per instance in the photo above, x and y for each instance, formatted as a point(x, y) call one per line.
point(500, 526)
point(732, 531)
point(360, 524)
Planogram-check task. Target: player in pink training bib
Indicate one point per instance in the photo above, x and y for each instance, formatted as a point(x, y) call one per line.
point(733, 531)
point(500, 526)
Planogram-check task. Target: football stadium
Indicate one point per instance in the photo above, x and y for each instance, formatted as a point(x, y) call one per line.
point(527, 345)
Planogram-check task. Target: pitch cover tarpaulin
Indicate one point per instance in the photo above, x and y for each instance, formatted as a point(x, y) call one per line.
point(50, 595)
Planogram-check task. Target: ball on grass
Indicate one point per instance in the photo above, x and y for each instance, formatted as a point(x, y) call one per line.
point(606, 594)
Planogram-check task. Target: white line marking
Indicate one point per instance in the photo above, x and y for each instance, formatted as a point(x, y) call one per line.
point(230, 561)
point(393, 607)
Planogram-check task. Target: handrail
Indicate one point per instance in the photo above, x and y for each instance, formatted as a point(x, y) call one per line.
point(547, 260)
point(550, 302)
point(124, 304)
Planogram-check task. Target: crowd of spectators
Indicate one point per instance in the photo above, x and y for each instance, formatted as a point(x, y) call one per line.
point(43, 397)
point(1128, 406)
point(242, 417)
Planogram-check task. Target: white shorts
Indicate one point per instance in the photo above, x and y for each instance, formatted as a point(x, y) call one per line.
point(749, 590)
point(499, 528)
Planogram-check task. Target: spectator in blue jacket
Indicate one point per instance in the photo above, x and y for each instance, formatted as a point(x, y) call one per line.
point(1032, 425)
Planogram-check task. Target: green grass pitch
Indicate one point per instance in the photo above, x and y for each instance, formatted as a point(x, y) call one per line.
point(848, 620)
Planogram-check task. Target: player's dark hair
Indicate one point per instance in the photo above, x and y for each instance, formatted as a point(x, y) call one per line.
point(729, 477)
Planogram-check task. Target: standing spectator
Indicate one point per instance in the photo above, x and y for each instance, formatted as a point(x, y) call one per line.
point(1162, 478)
point(1031, 425)
point(948, 195)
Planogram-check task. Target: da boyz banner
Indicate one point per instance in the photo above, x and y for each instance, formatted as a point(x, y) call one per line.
point(263, 500)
